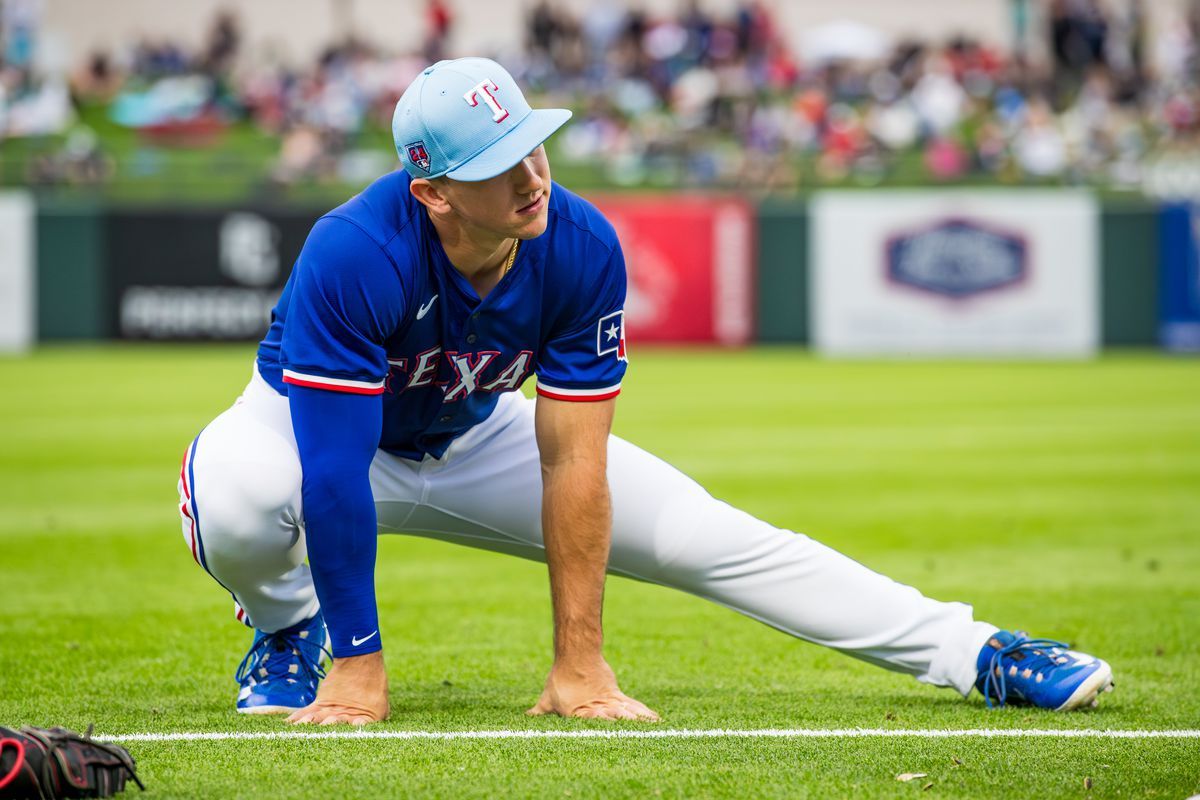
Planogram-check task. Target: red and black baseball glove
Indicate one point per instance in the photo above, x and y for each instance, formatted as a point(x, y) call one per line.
point(52, 763)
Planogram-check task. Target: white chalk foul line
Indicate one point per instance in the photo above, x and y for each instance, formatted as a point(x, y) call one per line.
point(717, 733)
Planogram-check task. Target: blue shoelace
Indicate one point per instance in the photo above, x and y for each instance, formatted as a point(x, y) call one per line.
point(1038, 654)
point(286, 643)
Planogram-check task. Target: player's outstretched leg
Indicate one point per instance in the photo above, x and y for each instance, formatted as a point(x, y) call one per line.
point(800, 586)
point(239, 493)
point(669, 530)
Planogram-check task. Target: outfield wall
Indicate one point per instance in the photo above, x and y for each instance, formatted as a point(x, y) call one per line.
point(702, 269)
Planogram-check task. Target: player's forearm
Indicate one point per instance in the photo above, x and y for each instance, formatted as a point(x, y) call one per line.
point(577, 527)
point(337, 435)
point(341, 539)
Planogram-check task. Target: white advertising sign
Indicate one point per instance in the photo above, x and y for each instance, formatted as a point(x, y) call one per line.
point(17, 324)
point(955, 273)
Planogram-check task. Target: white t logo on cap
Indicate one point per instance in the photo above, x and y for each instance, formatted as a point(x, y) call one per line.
point(485, 88)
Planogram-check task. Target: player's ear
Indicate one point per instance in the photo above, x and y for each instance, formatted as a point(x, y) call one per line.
point(430, 193)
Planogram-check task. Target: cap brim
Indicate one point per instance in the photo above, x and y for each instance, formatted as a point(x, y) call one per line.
point(502, 154)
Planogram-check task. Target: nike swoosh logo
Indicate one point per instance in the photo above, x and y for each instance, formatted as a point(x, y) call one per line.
point(355, 641)
point(423, 310)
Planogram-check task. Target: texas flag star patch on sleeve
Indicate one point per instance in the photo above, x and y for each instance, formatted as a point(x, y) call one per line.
point(610, 335)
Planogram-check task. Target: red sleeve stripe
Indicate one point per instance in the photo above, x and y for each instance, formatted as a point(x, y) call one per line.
point(579, 395)
point(333, 384)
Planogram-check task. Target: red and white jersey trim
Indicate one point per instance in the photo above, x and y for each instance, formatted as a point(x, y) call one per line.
point(578, 395)
point(333, 384)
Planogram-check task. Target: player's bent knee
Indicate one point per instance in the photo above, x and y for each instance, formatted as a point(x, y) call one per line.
point(247, 509)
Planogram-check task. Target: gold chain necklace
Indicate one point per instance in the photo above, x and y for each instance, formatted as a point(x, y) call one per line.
point(512, 256)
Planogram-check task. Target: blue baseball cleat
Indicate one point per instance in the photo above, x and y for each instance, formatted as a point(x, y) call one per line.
point(281, 672)
point(1017, 670)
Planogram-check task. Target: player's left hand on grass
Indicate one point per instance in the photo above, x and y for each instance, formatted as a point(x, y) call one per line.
point(589, 692)
point(354, 693)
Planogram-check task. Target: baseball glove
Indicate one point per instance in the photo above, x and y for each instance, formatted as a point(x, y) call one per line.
point(52, 763)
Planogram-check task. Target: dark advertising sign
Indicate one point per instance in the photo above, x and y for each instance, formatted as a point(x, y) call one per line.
point(208, 275)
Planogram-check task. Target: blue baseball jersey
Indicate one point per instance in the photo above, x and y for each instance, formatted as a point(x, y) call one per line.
point(374, 306)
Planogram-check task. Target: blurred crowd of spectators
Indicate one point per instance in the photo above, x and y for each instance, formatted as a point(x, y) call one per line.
point(705, 99)
point(693, 99)
point(317, 111)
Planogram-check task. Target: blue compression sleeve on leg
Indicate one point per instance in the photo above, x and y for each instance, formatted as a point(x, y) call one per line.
point(337, 434)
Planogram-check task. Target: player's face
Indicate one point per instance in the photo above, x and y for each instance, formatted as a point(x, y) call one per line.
point(513, 204)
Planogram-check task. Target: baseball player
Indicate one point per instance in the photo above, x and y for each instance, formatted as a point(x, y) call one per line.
point(384, 399)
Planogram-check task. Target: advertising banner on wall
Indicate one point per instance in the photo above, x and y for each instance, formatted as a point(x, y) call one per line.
point(949, 273)
point(17, 293)
point(210, 275)
point(181, 275)
point(1179, 301)
point(691, 267)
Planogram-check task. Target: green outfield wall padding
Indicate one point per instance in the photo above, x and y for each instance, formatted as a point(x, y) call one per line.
point(782, 271)
point(71, 273)
point(1129, 274)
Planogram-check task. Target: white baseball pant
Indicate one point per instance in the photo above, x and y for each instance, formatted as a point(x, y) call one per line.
point(243, 520)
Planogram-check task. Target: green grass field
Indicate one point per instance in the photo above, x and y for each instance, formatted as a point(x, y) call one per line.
point(1063, 498)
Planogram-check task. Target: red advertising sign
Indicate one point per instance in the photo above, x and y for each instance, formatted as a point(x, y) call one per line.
point(690, 263)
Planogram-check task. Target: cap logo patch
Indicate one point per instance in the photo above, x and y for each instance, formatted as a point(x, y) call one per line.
point(483, 91)
point(418, 155)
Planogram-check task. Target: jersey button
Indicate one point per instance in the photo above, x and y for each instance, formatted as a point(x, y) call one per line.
point(475, 315)
point(446, 418)
point(471, 338)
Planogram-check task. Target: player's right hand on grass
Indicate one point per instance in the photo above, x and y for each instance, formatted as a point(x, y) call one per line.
point(354, 692)
point(589, 691)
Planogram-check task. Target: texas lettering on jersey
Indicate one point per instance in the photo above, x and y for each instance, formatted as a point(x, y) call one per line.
point(458, 374)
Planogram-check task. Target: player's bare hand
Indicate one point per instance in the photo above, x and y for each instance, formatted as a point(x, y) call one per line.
point(589, 692)
point(353, 693)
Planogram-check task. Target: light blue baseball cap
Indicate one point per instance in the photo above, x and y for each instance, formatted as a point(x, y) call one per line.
point(467, 119)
